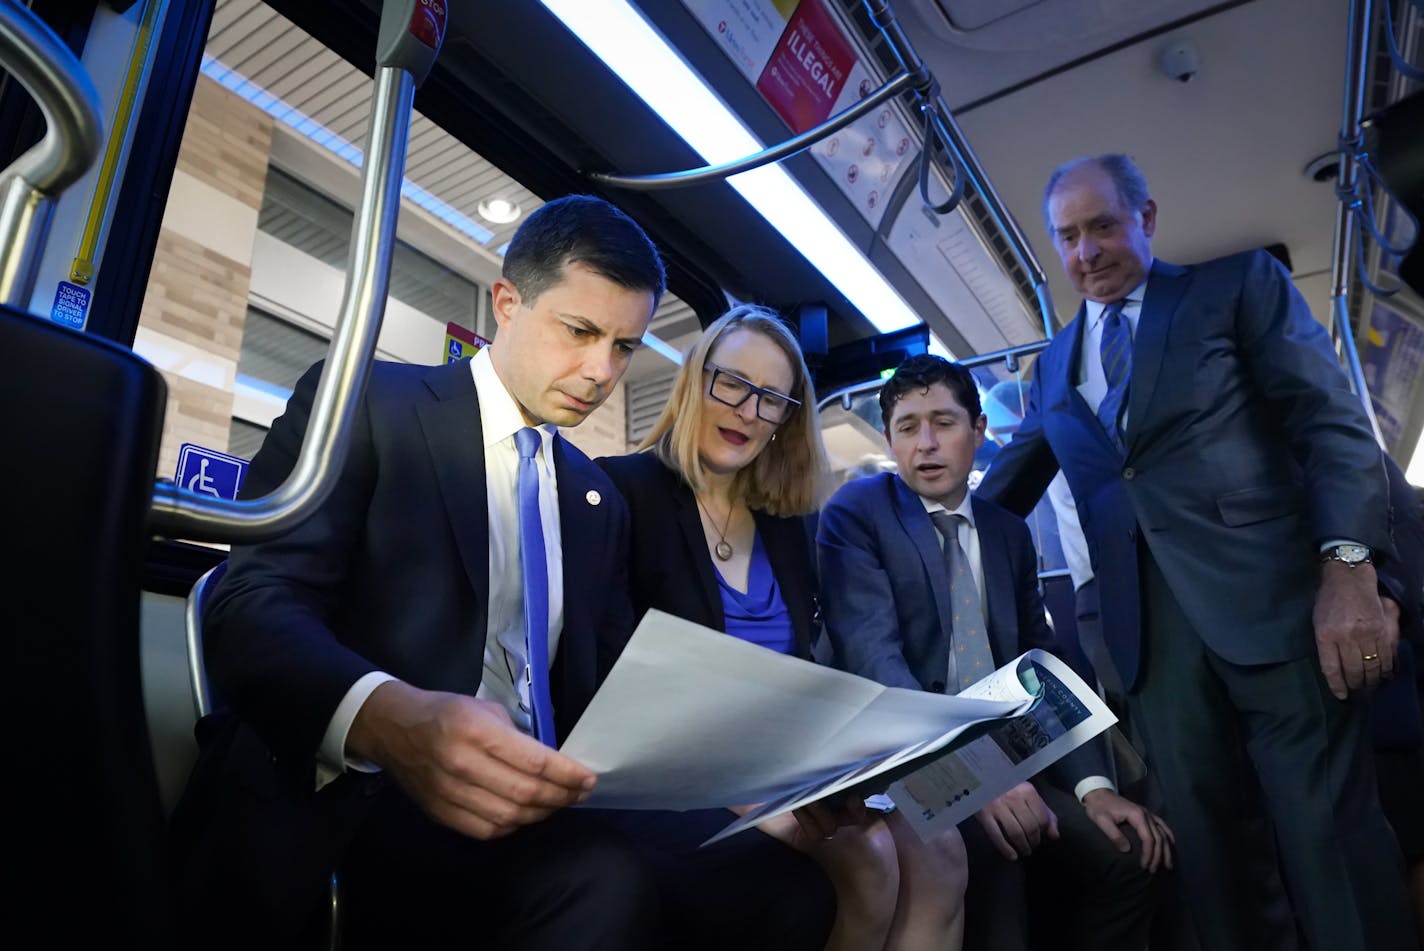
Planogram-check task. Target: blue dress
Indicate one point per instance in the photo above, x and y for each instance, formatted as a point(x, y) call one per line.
point(760, 615)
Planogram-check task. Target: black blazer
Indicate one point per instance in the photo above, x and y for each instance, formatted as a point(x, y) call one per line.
point(669, 567)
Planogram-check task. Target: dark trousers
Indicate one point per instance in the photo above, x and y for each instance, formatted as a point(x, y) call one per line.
point(561, 884)
point(1172, 925)
point(749, 891)
point(1077, 893)
point(1263, 769)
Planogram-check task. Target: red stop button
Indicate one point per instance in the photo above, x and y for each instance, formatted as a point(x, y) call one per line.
point(427, 22)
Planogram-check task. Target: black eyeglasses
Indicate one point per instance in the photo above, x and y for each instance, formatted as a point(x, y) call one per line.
point(731, 390)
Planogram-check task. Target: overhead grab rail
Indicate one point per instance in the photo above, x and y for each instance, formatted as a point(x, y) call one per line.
point(53, 75)
point(409, 40)
point(1355, 206)
point(966, 162)
point(942, 136)
point(1356, 191)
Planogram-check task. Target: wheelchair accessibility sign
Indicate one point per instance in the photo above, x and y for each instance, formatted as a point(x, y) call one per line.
point(209, 472)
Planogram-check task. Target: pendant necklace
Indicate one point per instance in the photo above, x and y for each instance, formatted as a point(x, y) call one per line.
point(723, 548)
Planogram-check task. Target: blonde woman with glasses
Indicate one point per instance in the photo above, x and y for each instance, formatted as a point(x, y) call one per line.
point(722, 493)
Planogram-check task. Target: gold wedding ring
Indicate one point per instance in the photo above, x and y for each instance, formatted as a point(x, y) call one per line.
point(1370, 657)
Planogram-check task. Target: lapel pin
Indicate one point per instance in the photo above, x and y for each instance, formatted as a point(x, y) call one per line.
point(593, 497)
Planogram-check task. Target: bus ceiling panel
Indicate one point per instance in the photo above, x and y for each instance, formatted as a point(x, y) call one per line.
point(545, 82)
point(518, 88)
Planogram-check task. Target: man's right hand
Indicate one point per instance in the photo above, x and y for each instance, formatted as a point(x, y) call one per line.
point(1018, 821)
point(463, 761)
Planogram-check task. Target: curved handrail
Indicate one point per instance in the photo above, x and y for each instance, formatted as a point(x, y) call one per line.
point(709, 173)
point(410, 37)
point(1009, 355)
point(34, 55)
point(179, 513)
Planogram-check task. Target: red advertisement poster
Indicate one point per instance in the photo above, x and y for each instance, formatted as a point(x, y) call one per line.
point(808, 67)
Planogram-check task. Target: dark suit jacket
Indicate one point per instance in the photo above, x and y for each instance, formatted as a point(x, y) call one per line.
point(886, 593)
point(669, 567)
point(390, 573)
point(1245, 449)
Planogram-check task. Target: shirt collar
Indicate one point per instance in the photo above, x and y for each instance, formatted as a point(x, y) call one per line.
point(1131, 298)
point(500, 416)
point(965, 507)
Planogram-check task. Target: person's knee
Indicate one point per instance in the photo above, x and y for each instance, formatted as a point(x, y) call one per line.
point(611, 888)
point(948, 863)
point(864, 867)
point(1124, 872)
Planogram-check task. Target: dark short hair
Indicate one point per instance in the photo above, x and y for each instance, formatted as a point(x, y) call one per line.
point(1131, 184)
point(918, 374)
point(582, 229)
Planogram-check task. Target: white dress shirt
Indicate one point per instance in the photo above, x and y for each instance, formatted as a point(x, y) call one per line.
point(505, 656)
point(1093, 385)
point(1070, 531)
point(969, 541)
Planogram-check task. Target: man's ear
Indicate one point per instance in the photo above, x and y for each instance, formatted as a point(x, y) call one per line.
point(504, 301)
point(1149, 217)
point(980, 425)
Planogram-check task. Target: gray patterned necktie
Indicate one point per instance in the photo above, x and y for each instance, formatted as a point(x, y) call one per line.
point(971, 657)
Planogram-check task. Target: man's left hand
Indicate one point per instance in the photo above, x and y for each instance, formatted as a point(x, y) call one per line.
point(1108, 810)
point(1355, 645)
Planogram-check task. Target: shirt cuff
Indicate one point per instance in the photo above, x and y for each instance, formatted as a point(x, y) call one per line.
point(331, 758)
point(1325, 546)
point(1090, 783)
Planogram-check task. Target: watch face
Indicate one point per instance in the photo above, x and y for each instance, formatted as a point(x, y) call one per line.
point(1351, 553)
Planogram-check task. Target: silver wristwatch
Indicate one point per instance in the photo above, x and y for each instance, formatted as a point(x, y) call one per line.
point(1351, 555)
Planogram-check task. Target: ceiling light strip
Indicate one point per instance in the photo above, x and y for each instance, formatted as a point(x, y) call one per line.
point(619, 36)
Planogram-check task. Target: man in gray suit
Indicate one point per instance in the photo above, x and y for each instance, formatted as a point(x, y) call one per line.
point(927, 588)
point(1234, 502)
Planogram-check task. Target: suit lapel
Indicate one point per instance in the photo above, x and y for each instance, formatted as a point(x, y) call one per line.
point(455, 441)
point(916, 523)
point(1067, 402)
point(999, 597)
point(1165, 286)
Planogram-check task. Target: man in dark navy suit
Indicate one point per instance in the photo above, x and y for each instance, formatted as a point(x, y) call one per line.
point(928, 588)
point(1233, 499)
point(381, 662)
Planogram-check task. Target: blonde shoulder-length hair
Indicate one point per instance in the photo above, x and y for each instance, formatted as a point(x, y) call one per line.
point(788, 475)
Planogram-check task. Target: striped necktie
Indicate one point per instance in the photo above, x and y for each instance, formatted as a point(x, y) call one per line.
point(1116, 351)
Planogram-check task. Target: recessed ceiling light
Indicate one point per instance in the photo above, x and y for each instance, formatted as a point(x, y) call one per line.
point(500, 211)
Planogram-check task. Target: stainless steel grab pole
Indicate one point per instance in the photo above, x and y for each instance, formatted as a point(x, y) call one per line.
point(1346, 231)
point(407, 45)
point(177, 513)
point(37, 58)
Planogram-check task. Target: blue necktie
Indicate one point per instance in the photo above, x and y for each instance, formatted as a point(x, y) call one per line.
point(536, 585)
point(1116, 351)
